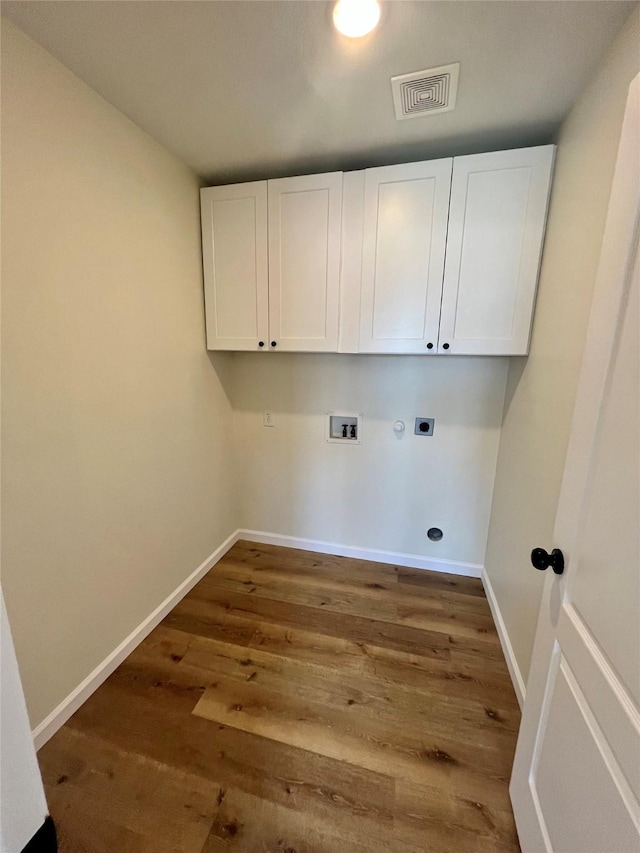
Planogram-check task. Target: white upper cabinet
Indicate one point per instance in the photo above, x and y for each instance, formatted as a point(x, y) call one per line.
point(404, 233)
point(439, 257)
point(496, 228)
point(271, 255)
point(234, 248)
point(305, 216)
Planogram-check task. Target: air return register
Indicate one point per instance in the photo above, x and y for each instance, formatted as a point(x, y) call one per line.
point(424, 93)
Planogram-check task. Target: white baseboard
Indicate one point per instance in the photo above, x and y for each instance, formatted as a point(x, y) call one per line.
point(507, 648)
point(59, 716)
point(413, 561)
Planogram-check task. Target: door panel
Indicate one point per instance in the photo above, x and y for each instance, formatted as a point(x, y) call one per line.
point(404, 236)
point(303, 291)
point(580, 780)
point(496, 226)
point(234, 247)
point(401, 313)
point(576, 778)
point(610, 533)
point(305, 216)
point(605, 694)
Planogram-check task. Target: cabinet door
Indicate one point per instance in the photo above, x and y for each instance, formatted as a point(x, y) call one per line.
point(496, 227)
point(404, 236)
point(304, 262)
point(234, 250)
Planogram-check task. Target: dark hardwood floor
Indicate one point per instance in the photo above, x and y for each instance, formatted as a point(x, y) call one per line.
point(298, 703)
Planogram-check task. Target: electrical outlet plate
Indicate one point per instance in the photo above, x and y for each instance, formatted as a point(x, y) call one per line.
point(424, 426)
point(267, 418)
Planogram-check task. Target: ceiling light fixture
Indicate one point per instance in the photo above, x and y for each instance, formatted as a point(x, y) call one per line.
point(356, 18)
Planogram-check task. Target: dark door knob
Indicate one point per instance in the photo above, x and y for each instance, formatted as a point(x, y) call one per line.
point(260, 343)
point(273, 343)
point(445, 346)
point(541, 560)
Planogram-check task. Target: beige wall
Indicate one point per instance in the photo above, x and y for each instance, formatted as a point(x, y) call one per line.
point(384, 493)
point(541, 389)
point(116, 482)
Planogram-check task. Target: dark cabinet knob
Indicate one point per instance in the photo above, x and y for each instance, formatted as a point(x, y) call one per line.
point(274, 344)
point(445, 346)
point(260, 343)
point(429, 346)
point(541, 560)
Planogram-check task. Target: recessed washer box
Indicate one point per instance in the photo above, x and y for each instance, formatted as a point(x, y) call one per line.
point(343, 428)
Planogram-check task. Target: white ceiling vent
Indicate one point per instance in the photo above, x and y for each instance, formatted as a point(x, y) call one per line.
point(424, 93)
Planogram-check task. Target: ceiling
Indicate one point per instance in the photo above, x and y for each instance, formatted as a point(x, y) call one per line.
point(243, 89)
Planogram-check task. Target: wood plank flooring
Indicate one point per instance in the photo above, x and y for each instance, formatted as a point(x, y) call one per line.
point(298, 703)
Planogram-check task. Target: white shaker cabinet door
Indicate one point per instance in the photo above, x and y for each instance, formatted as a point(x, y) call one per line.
point(496, 228)
point(234, 249)
point(403, 248)
point(305, 215)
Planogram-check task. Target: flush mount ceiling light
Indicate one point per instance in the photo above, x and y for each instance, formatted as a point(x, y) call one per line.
point(356, 18)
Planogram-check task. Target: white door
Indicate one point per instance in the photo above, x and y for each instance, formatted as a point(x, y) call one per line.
point(23, 807)
point(404, 235)
point(496, 227)
point(234, 252)
point(576, 778)
point(305, 216)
